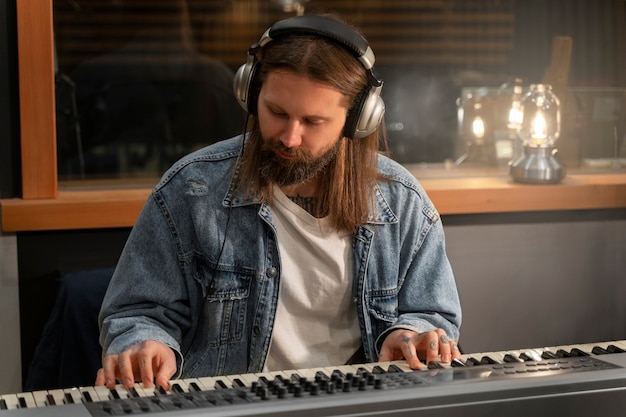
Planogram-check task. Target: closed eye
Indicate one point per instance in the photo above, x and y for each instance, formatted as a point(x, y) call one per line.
point(278, 113)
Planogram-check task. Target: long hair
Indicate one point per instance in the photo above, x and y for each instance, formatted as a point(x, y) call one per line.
point(346, 185)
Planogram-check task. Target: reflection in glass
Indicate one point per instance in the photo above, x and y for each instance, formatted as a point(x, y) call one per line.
point(141, 82)
point(135, 109)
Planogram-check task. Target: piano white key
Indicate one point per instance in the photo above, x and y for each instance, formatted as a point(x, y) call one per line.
point(74, 393)
point(602, 345)
point(193, 381)
point(588, 347)
point(495, 356)
point(89, 392)
point(270, 376)
point(210, 382)
point(57, 395)
point(11, 401)
point(404, 366)
point(40, 398)
point(620, 343)
point(102, 393)
point(347, 369)
point(247, 379)
point(515, 354)
point(534, 354)
point(29, 399)
point(119, 391)
point(183, 384)
point(310, 373)
point(138, 390)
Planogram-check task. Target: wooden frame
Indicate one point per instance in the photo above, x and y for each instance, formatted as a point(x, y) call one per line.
point(44, 207)
point(38, 144)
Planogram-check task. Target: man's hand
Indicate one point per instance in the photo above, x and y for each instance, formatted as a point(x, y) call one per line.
point(430, 346)
point(147, 362)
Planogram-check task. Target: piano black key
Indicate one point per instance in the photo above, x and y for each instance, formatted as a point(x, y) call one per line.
point(575, 352)
point(220, 384)
point(509, 358)
point(21, 401)
point(457, 363)
point(238, 383)
point(434, 365)
point(472, 361)
point(176, 388)
point(3, 405)
point(337, 374)
point(378, 370)
point(562, 353)
point(195, 387)
point(597, 350)
point(68, 399)
point(487, 360)
point(114, 394)
point(50, 400)
point(87, 397)
point(546, 354)
point(526, 357)
point(614, 349)
point(394, 368)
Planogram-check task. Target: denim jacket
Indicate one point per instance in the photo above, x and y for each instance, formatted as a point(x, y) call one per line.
point(201, 268)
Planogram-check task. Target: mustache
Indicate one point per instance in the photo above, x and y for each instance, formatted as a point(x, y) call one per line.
point(277, 146)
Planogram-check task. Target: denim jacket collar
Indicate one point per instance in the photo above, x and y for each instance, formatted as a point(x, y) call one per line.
point(236, 197)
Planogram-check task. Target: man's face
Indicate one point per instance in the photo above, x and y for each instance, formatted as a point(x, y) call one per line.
point(301, 123)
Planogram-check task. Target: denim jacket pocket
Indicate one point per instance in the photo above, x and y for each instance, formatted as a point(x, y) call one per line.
point(224, 306)
point(383, 309)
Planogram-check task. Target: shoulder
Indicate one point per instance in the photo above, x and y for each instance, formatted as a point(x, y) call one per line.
point(392, 172)
point(210, 163)
point(401, 188)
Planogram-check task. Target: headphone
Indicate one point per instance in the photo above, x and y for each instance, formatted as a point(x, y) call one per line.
point(366, 113)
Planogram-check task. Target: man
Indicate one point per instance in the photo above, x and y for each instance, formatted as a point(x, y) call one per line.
point(296, 246)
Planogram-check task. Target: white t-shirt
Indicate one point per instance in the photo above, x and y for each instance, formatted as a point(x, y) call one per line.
point(316, 322)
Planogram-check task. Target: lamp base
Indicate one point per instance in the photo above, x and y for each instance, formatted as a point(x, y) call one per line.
point(537, 166)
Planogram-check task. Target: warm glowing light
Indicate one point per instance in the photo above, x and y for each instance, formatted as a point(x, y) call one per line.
point(478, 127)
point(539, 128)
point(515, 116)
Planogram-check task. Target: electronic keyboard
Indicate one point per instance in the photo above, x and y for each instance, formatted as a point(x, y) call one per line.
point(574, 380)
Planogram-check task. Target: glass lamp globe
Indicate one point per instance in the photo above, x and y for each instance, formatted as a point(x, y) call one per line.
point(539, 130)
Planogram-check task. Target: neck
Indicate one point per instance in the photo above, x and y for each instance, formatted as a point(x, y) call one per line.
point(306, 196)
point(307, 189)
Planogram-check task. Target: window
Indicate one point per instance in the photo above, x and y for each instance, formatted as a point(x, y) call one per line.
point(427, 52)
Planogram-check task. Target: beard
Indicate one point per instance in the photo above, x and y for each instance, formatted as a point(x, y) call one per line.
point(300, 168)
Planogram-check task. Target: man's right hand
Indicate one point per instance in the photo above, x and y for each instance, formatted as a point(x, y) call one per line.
point(149, 362)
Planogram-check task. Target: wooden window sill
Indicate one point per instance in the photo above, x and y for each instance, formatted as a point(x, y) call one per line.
point(491, 194)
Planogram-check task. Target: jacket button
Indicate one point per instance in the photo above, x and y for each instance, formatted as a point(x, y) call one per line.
point(256, 330)
point(271, 272)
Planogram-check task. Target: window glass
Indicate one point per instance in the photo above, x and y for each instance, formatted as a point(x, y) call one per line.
point(140, 83)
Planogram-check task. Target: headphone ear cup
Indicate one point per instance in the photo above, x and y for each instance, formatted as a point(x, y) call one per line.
point(365, 115)
point(246, 86)
point(241, 84)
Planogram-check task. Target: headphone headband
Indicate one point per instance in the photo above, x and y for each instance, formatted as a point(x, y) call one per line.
point(366, 113)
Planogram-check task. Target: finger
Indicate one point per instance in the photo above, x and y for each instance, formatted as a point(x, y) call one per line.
point(444, 346)
point(99, 377)
point(385, 354)
point(165, 372)
point(432, 346)
point(410, 353)
point(146, 370)
point(125, 366)
point(456, 352)
point(109, 366)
